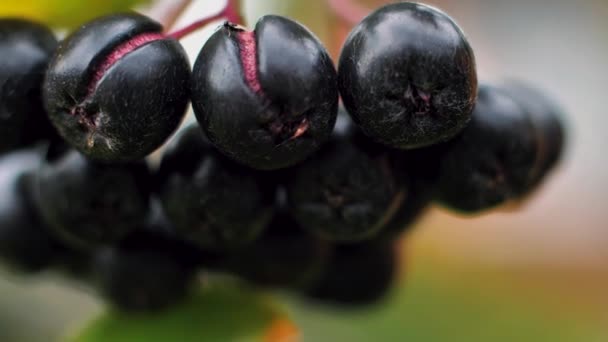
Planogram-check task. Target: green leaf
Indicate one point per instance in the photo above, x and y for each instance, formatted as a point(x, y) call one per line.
point(437, 304)
point(65, 13)
point(228, 313)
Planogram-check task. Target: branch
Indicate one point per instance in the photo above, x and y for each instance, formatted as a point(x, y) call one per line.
point(231, 12)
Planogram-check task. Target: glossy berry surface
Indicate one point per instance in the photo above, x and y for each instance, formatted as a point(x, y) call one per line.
point(491, 161)
point(356, 275)
point(25, 245)
point(347, 191)
point(26, 48)
point(116, 89)
point(266, 98)
point(89, 203)
point(211, 200)
point(283, 257)
point(548, 120)
point(148, 271)
point(407, 76)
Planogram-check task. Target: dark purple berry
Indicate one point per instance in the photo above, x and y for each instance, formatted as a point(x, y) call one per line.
point(147, 271)
point(490, 162)
point(356, 275)
point(548, 120)
point(346, 192)
point(266, 98)
point(89, 203)
point(407, 76)
point(211, 200)
point(117, 88)
point(283, 257)
point(25, 245)
point(26, 48)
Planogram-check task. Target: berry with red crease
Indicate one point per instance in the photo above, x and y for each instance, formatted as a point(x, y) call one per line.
point(267, 98)
point(117, 88)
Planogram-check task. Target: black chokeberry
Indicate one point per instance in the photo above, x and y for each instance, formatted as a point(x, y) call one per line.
point(490, 162)
point(407, 76)
point(267, 98)
point(347, 191)
point(356, 275)
point(117, 88)
point(284, 256)
point(548, 120)
point(211, 200)
point(88, 203)
point(148, 271)
point(25, 244)
point(26, 48)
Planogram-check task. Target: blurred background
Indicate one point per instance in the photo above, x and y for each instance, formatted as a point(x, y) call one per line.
point(539, 273)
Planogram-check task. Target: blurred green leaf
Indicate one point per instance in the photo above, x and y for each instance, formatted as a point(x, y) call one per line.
point(65, 13)
point(214, 314)
point(431, 307)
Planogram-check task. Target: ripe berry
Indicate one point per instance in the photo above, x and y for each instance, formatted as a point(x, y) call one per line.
point(117, 88)
point(283, 257)
point(548, 120)
point(407, 76)
point(25, 245)
point(211, 200)
point(347, 191)
point(491, 160)
point(356, 275)
point(266, 98)
point(26, 48)
point(89, 203)
point(148, 271)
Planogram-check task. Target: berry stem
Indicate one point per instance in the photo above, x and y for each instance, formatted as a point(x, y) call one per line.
point(348, 11)
point(231, 12)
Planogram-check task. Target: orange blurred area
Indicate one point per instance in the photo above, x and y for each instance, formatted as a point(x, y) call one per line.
point(282, 330)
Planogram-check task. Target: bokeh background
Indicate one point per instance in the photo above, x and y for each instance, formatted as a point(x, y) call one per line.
point(538, 273)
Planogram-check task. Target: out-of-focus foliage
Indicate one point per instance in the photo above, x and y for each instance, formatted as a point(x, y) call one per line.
point(64, 13)
point(213, 314)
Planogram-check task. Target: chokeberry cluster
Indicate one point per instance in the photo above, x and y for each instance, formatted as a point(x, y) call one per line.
point(278, 183)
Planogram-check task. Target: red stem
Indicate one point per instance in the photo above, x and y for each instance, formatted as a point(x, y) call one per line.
point(349, 11)
point(230, 12)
